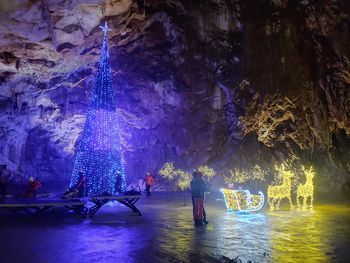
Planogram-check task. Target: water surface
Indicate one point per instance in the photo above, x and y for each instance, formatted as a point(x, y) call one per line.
point(165, 233)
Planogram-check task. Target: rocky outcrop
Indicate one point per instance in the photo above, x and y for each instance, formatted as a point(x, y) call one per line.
point(224, 83)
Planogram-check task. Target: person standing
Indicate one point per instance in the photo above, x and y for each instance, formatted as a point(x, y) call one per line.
point(198, 187)
point(118, 183)
point(32, 187)
point(149, 183)
point(81, 185)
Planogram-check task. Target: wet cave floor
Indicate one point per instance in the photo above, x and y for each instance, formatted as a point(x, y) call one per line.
point(165, 233)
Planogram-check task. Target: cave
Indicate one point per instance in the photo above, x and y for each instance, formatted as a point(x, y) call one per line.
point(246, 92)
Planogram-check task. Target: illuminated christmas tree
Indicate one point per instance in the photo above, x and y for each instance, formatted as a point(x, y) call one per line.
point(98, 156)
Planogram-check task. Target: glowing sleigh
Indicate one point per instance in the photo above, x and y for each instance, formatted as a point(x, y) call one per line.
point(243, 200)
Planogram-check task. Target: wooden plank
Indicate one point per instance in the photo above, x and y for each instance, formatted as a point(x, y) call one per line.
point(114, 197)
point(44, 195)
point(40, 204)
point(27, 202)
point(45, 202)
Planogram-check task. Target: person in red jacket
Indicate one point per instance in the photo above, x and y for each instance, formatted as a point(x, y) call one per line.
point(149, 183)
point(32, 186)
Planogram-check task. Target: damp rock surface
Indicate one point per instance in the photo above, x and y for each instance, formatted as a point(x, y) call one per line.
point(226, 83)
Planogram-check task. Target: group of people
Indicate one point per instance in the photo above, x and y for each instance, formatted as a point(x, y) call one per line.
point(5, 177)
point(198, 189)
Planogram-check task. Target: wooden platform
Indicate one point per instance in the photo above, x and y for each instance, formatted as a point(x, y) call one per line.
point(44, 202)
point(127, 200)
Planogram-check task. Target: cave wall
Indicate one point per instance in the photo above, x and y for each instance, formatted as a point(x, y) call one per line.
point(224, 83)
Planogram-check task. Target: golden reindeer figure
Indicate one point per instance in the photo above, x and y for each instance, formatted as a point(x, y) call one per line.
point(275, 193)
point(306, 190)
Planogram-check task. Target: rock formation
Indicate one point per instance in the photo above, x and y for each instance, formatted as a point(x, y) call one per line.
point(218, 82)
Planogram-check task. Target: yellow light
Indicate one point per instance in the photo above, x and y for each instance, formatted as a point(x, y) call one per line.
point(275, 193)
point(183, 179)
point(206, 171)
point(241, 176)
point(231, 203)
point(237, 176)
point(257, 173)
point(167, 171)
point(307, 190)
point(243, 200)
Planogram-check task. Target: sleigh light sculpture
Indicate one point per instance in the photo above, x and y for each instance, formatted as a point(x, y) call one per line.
point(243, 200)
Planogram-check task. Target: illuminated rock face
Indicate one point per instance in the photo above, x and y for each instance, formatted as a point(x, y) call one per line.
point(248, 84)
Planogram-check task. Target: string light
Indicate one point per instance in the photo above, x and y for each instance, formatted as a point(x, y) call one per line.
point(243, 200)
point(257, 173)
point(241, 176)
point(237, 176)
point(206, 171)
point(275, 193)
point(99, 155)
point(307, 190)
point(183, 179)
point(168, 171)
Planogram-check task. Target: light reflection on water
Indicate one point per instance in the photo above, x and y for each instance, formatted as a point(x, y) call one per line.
point(165, 233)
point(308, 236)
point(244, 236)
point(280, 236)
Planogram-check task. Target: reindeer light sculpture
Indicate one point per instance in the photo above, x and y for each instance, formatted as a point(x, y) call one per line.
point(306, 190)
point(275, 193)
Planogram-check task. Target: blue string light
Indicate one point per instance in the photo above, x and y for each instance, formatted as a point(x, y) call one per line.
point(99, 155)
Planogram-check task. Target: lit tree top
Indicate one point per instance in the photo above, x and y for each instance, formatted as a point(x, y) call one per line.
point(105, 29)
point(103, 88)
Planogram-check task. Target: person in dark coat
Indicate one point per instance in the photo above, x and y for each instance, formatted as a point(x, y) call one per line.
point(78, 190)
point(198, 187)
point(81, 185)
